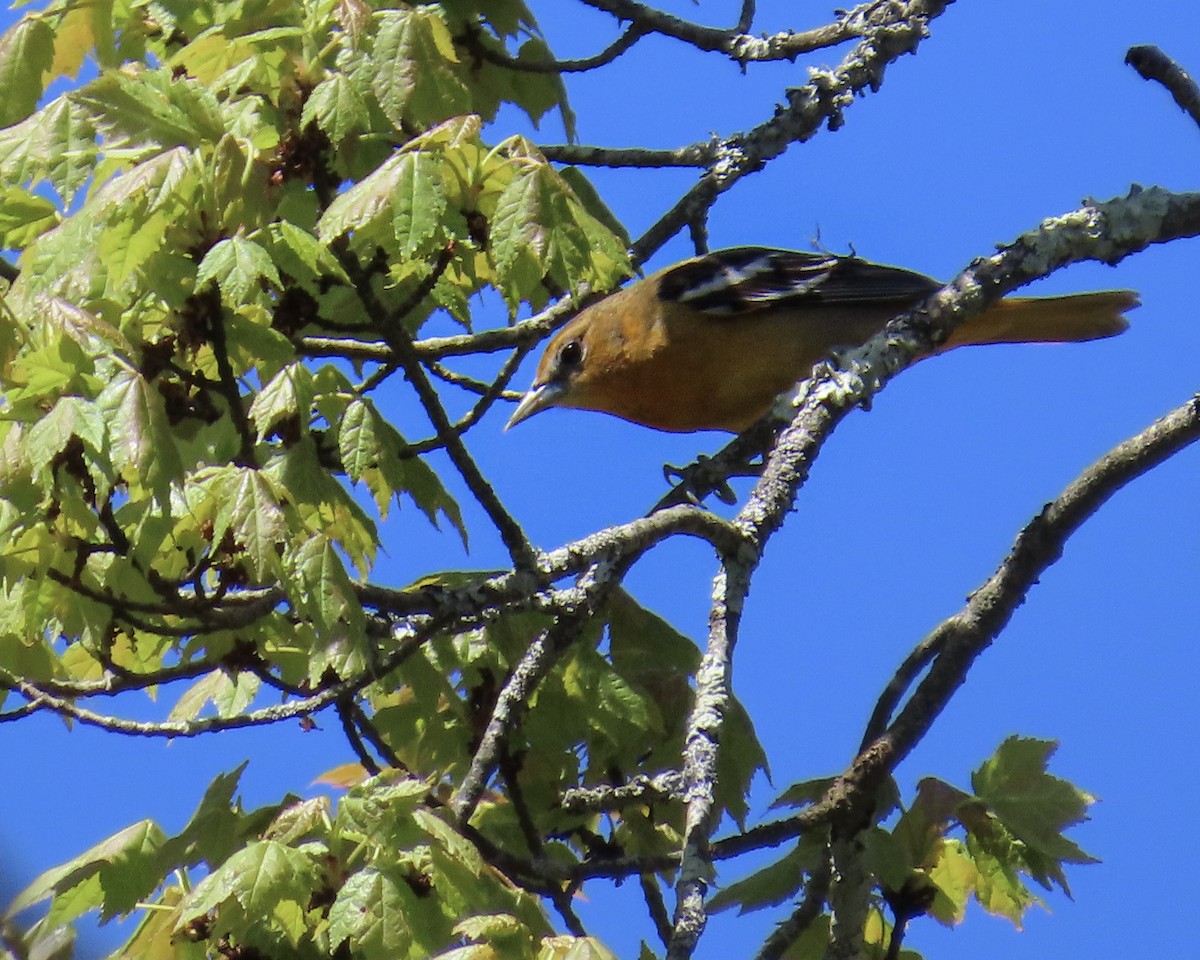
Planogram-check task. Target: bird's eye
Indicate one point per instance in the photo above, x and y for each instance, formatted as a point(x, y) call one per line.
point(570, 354)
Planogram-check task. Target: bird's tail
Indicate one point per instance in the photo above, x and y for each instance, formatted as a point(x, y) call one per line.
point(1072, 318)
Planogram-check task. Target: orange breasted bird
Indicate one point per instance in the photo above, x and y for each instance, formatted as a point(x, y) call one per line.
point(708, 344)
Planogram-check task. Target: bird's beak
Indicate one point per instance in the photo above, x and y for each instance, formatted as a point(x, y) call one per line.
point(540, 397)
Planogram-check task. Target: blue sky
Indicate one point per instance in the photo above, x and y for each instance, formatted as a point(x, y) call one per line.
point(1008, 114)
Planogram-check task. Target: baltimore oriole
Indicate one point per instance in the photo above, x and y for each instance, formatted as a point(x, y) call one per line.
point(708, 344)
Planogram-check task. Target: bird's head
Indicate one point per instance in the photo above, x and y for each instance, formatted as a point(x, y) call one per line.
point(562, 372)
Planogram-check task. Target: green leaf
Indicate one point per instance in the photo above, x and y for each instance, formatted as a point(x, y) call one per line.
point(506, 18)
point(69, 417)
point(236, 197)
point(76, 36)
point(366, 200)
point(412, 75)
point(235, 693)
point(196, 697)
point(1033, 805)
point(419, 205)
point(249, 508)
point(539, 92)
point(528, 212)
point(259, 878)
point(998, 888)
point(24, 216)
point(136, 107)
point(26, 52)
point(802, 794)
point(113, 875)
point(921, 829)
point(239, 266)
point(153, 940)
point(58, 144)
point(299, 253)
point(337, 108)
point(318, 505)
point(594, 204)
point(328, 597)
point(141, 443)
point(300, 819)
point(955, 877)
point(773, 884)
point(214, 831)
point(565, 947)
point(372, 912)
point(381, 808)
point(287, 396)
point(97, 249)
point(369, 447)
point(741, 759)
point(360, 441)
point(457, 846)
point(492, 926)
point(540, 230)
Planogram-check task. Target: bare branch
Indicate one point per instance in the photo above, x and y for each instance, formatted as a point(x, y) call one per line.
point(40, 699)
point(525, 333)
point(736, 43)
point(849, 898)
point(962, 637)
point(1152, 64)
point(656, 906)
point(623, 543)
point(632, 34)
point(694, 155)
point(700, 753)
point(899, 28)
point(641, 789)
point(1107, 232)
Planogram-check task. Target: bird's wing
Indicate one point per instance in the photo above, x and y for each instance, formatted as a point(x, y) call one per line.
point(745, 279)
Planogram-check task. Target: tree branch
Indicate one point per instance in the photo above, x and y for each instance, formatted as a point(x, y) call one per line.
point(701, 750)
point(573, 611)
point(1152, 64)
point(962, 637)
point(811, 906)
point(1107, 232)
point(898, 29)
point(641, 789)
point(397, 337)
point(736, 42)
point(632, 34)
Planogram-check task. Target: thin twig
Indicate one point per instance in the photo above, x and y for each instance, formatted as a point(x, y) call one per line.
point(513, 698)
point(398, 338)
point(346, 716)
point(811, 906)
point(656, 906)
point(631, 35)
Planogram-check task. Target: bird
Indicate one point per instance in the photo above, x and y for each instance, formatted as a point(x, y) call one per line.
point(710, 343)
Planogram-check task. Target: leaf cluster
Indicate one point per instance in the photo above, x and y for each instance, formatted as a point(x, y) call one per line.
point(947, 847)
point(238, 179)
